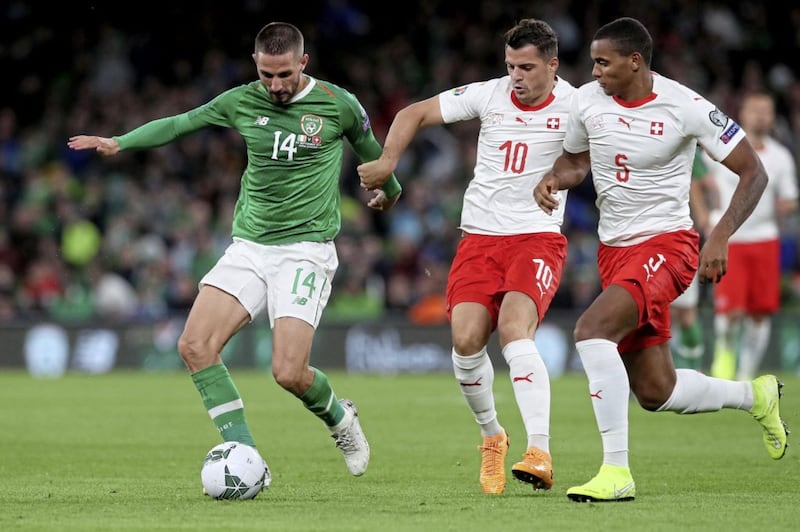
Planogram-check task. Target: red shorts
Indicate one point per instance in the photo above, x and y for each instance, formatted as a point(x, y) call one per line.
point(753, 281)
point(655, 272)
point(486, 267)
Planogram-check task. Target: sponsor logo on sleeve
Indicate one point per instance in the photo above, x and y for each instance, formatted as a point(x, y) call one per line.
point(458, 91)
point(729, 133)
point(364, 118)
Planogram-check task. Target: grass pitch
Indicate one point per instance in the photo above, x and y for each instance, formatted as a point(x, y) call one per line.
point(123, 451)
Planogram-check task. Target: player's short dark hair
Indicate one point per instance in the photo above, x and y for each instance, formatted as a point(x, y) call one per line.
point(627, 35)
point(536, 32)
point(278, 38)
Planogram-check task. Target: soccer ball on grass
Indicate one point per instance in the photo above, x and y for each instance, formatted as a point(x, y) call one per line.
point(233, 470)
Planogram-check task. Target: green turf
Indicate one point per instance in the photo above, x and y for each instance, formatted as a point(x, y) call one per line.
point(123, 452)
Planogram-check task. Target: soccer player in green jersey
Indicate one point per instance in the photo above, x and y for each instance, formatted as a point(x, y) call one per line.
point(282, 258)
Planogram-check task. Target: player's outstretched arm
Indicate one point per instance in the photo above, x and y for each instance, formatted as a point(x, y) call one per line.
point(103, 145)
point(405, 125)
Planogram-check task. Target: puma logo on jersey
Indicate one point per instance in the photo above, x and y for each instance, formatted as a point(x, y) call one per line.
point(262, 121)
point(623, 121)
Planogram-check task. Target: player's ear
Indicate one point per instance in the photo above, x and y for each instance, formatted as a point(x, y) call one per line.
point(636, 61)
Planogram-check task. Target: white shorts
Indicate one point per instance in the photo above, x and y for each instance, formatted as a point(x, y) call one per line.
point(690, 297)
point(286, 280)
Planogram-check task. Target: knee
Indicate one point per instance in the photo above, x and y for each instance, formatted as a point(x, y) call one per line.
point(193, 351)
point(511, 331)
point(288, 378)
point(609, 327)
point(583, 330)
point(652, 395)
point(468, 342)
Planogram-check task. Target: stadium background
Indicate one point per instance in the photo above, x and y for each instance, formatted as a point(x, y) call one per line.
point(99, 259)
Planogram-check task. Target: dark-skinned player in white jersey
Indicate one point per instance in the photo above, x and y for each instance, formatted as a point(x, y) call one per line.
point(282, 258)
point(638, 131)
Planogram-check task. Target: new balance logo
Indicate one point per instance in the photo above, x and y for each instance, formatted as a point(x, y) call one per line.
point(262, 121)
point(300, 300)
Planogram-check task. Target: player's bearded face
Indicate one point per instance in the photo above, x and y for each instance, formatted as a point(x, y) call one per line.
point(281, 75)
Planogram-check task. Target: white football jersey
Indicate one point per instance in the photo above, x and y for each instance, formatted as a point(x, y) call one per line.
point(763, 222)
point(641, 155)
point(517, 144)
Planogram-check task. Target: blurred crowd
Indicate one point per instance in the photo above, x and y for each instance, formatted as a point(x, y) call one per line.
point(128, 237)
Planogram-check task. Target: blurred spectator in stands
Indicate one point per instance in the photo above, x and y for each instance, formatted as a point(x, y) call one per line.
point(430, 307)
point(8, 305)
point(714, 47)
point(357, 297)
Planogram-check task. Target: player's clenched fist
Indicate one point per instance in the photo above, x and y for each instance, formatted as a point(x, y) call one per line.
point(373, 174)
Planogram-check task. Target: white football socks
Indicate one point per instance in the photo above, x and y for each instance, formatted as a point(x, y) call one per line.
point(695, 393)
point(609, 390)
point(475, 376)
point(531, 384)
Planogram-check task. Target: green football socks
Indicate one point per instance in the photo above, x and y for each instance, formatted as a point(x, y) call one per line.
point(223, 402)
point(691, 345)
point(692, 336)
point(321, 400)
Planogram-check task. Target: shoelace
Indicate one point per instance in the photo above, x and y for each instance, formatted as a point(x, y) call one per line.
point(490, 467)
point(536, 459)
point(345, 442)
point(535, 455)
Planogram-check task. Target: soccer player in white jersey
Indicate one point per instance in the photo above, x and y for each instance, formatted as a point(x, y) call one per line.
point(749, 294)
point(637, 132)
point(509, 261)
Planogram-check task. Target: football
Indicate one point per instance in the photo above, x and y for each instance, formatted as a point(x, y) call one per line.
point(233, 470)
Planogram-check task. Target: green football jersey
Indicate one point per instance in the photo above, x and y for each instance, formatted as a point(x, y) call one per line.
point(290, 189)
